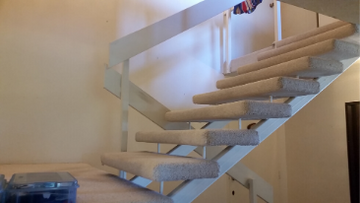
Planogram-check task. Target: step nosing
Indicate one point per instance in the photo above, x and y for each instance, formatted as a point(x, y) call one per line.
point(337, 33)
point(311, 33)
point(303, 67)
point(259, 89)
point(231, 111)
point(201, 137)
point(161, 167)
point(329, 49)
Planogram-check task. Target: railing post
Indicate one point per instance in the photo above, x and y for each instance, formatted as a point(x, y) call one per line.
point(252, 190)
point(204, 152)
point(125, 87)
point(277, 21)
point(227, 24)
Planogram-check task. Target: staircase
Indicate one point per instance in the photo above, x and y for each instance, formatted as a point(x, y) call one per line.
point(297, 69)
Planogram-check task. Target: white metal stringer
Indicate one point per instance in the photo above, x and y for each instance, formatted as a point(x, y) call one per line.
point(189, 190)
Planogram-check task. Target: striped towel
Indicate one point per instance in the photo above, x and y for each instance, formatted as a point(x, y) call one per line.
point(247, 6)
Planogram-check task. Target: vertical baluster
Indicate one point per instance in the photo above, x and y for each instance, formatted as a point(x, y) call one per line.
point(252, 190)
point(125, 89)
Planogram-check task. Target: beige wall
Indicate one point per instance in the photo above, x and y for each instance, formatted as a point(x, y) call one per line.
point(296, 20)
point(316, 144)
point(268, 160)
point(52, 104)
point(316, 135)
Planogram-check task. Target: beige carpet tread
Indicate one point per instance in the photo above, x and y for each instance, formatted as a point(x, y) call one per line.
point(278, 87)
point(252, 110)
point(307, 67)
point(96, 186)
point(337, 33)
point(310, 33)
point(329, 49)
point(201, 137)
point(161, 167)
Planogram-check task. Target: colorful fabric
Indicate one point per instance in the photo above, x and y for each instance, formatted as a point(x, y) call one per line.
point(247, 6)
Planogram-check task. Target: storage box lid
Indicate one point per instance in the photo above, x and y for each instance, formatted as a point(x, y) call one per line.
point(2, 183)
point(42, 180)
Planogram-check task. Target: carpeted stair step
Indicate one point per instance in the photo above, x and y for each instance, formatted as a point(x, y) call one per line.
point(96, 186)
point(337, 33)
point(251, 110)
point(329, 49)
point(310, 33)
point(308, 67)
point(200, 137)
point(278, 87)
point(161, 167)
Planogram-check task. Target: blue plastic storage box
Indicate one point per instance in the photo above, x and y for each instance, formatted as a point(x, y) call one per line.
point(41, 188)
point(2, 188)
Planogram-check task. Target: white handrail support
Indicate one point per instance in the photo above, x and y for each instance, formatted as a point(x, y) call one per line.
point(125, 88)
point(252, 191)
point(227, 25)
point(277, 21)
point(125, 83)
